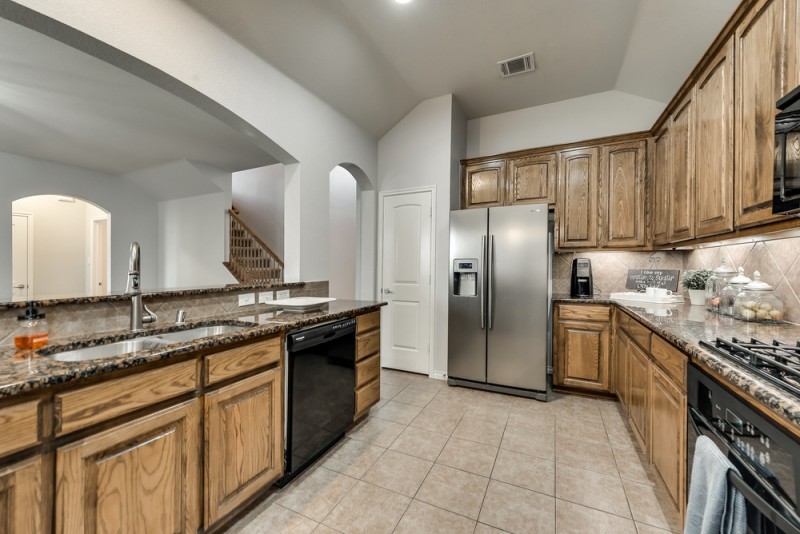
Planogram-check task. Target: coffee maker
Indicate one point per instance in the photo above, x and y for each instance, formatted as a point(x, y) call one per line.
point(581, 285)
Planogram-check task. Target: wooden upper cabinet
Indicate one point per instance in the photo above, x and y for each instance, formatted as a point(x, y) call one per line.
point(141, 476)
point(622, 194)
point(714, 146)
point(682, 172)
point(532, 180)
point(766, 44)
point(484, 184)
point(661, 179)
point(577, 198)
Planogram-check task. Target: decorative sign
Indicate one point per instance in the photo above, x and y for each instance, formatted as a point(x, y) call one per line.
point(639, 279)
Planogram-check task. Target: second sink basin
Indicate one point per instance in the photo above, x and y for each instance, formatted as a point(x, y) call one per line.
point(197, 333)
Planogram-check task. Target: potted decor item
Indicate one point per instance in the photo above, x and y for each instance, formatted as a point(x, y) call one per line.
point(695, 283)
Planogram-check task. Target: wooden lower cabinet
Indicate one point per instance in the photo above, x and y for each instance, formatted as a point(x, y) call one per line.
point(621, 348)
point(638, 385)
point(668, 430)
point(23, 507)
point(244, 441)
point(106, 482)
point(582, 358)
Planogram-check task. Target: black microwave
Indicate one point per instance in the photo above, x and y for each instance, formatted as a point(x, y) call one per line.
point(786, 184)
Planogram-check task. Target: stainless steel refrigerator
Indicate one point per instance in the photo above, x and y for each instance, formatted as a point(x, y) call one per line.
point(499, 325)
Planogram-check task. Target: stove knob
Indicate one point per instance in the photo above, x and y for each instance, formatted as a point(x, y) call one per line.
point(766, 442)
point(767, 456)
point(761, 458)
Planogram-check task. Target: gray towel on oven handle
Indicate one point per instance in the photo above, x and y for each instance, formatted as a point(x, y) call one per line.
point(715, 507)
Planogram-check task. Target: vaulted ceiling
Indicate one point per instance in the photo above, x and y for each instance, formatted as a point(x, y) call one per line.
point(374, 60)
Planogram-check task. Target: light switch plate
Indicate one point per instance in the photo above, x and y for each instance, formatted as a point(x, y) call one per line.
point(247, 299)
point(264, 296)
point(285, 294)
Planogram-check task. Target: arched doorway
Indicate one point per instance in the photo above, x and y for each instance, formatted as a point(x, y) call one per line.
point(60, 247)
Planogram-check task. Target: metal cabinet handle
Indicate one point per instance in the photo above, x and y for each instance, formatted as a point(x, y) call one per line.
point(483, 289)
point(491, 280)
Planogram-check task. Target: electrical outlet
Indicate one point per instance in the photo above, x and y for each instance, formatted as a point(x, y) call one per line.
point(264, 297)
point(285, 294)
point(247, 299)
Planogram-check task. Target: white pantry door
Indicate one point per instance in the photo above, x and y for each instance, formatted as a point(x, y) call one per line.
point(20, 257)
point(406, 282)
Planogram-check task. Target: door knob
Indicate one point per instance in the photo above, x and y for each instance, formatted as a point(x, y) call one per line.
point(388, 291)
point(21, 286)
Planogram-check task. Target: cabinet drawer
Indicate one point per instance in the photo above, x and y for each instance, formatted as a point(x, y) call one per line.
point(20, 424)
point(80, 408)
point(584, 312)
point(236, 361)
point(367, 396)
point(367, 322)
point(368, 344)
point(671, 360)
point(640, 334)
point(368, 369)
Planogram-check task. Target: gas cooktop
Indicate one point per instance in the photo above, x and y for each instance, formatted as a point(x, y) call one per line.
point(778, 363)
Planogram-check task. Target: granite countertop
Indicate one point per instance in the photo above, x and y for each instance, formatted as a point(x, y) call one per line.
point(685, 326)
point(20, 373)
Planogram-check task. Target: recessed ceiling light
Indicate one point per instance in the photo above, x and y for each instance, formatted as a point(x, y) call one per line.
point(403, 1)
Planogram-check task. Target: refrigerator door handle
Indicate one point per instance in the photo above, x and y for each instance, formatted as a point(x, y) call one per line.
point(490, 281)
point(483, 288)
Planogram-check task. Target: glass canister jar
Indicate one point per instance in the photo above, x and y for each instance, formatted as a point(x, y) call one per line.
point(728, 296)
point(32, 332)
point(719, 278)
point(757, 303)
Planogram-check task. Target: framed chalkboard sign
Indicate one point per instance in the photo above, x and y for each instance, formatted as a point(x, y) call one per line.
point(639, 279)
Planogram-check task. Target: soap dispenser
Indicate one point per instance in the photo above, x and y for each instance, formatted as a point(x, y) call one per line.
point(31, 332)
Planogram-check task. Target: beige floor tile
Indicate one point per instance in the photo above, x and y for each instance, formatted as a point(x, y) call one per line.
point(490, 412)
point(518, 510)
point(525, 471)
point(453, 490)
point(570, 427)
point(277, 519)
point(622, 439)
point(475, 429)
point(420, 443)
point(595, 490)
point(592, 456)
point(416, 397)
point(377, 406)
point(353, 458)
point(377, 432)
point(395, 378)
point(521, 404)
point(315, 495)
point(448, 404)
point(436, 421)
point(641, 528)
point(573, 518)
point(398, 472)
point(652, 505)
point(587, 412)
point(398, 412)
point(482, 528)
point(529, 442)
point(427, 383)
point(632, 467)
point(535, 421)
point(324, 529)
point(423, 518)
point(389, 391)
point(469, 456)
point(368, 509)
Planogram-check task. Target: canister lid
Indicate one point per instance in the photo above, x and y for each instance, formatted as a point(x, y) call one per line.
point(740, 279)
point(724, 269)
point(757, 284)
point(30, 313)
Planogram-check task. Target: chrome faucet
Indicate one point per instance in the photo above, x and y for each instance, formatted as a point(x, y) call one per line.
point(138, 309)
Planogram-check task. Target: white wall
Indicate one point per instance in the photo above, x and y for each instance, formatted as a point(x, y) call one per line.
point(134, 214)
point(343, 232)
point(192, 241)
point(208, 60)
point(417, 153)
point(577, 119)
point(258, 194)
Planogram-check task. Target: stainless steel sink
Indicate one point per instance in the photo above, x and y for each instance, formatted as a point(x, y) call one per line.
point(143, 343)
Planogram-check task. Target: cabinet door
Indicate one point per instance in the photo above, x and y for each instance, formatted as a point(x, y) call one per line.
point(714, 161)
point(141, 476)
point(577, 198)
point(638, 383)
point(583, 355)
point(22, 499)
point(660, 189)
point(621, 349)
point(682, 141)
point(244, 441)
point(668, 423)
point(484, 185)
point(762, 41)
point(532, 180)
point(622, 219)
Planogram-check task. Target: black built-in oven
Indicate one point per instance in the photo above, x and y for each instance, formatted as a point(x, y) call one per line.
point(786, 185)
point(767, 458)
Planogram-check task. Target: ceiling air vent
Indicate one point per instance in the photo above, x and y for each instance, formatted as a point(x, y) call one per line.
point(516, 65)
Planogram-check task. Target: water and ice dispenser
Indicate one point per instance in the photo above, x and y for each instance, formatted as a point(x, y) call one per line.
point(465, 277)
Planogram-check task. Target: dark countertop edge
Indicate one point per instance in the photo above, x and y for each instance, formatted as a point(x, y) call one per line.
point(41, 303)
point(74, 372)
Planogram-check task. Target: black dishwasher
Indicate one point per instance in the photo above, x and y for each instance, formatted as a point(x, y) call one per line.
point(320, 394)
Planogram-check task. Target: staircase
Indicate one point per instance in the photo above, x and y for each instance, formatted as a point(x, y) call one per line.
point(250, 260)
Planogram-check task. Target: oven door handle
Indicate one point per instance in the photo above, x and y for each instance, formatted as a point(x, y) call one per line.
point(789, 525)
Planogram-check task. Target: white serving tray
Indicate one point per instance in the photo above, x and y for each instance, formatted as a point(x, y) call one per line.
point(301, 304)
point(642, 297)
